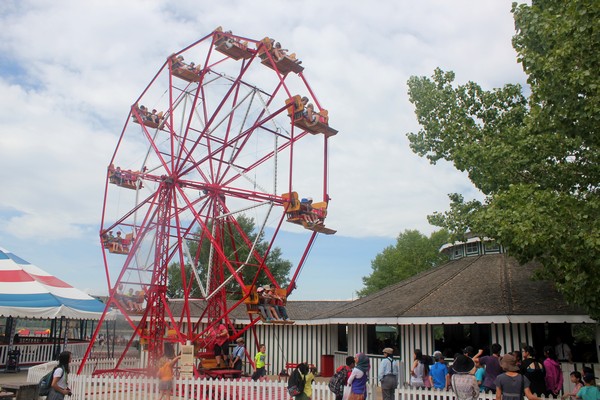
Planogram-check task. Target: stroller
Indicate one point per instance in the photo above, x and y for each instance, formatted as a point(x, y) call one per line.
point(12, 361)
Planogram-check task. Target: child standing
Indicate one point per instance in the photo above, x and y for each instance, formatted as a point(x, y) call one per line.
point(165, 373)
point(259, 361)
point(578, 384)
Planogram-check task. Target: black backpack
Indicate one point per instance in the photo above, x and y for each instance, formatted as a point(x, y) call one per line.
point(338, 381)
point(295, 383)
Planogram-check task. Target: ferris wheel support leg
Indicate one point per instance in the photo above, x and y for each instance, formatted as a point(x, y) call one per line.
point(301, 263)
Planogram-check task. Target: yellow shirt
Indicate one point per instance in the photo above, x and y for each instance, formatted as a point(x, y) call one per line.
point(309, 378)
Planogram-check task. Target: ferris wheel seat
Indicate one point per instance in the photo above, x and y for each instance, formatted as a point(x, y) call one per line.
point(252, 297)
point(295, 218)
point(188, 74)
point(252, 309)
point(233, 49)
point(284, 66)
point(291, 202)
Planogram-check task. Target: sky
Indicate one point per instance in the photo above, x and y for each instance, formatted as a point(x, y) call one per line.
point(70, 70)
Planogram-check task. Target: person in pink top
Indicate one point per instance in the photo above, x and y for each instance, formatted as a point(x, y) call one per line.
point(577, 385)
point(221, 347)
point(554, 377)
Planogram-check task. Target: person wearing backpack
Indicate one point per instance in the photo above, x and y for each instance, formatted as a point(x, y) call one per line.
point(297, 381)
point(340, 378)
point(388, 374)
point(59, 387)
point(511, 385)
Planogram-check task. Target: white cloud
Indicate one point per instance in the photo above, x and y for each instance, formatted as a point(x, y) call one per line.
point(74, 68)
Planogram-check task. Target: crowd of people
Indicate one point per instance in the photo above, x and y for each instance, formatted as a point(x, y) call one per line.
point(510, 376)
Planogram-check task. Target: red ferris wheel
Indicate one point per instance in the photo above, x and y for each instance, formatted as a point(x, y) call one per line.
point(228, 127)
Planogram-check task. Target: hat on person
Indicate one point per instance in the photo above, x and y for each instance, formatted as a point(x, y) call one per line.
point(260, 289)
point(463, 364)
point(388, 350)
point(437, 356)
point(267, 287)
point(587, 378)
point(509, 363)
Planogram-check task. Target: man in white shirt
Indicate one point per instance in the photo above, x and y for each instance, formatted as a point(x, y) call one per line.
point(388, 374)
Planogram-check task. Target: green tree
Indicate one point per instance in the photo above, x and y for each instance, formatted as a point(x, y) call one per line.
point(535, 158)
point(412, 253)
point(237, 255)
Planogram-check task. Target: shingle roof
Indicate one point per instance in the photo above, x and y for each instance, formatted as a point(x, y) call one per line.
point(483, 286)
point(486, 285)
point(297, 310)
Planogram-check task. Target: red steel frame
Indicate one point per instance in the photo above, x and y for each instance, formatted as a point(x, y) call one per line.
point(184, 169)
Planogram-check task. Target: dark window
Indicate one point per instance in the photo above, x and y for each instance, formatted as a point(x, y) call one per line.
point(452, 339)
point(581, 339)
point(381, 336)
point(342, 337)
point(472, 248)
point(457, 252)
point(491, 247)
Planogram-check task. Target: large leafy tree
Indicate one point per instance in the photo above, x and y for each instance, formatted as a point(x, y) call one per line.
point(412, 253)
point(278, 266)
point(535, 158)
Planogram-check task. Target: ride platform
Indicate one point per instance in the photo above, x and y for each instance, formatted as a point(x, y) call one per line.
point(315, 128)
point(133, 184)
point(285, 65)
point(234, 50)
point(187, 74)
point(149, 123)
point(318, 227)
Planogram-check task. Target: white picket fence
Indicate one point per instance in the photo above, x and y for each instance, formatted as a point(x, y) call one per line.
point(36, 353)
point(87, 387)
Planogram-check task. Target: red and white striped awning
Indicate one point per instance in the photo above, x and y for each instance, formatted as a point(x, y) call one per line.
point(27, 291)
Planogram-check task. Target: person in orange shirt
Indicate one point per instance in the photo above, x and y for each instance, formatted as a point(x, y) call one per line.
point(165, 373)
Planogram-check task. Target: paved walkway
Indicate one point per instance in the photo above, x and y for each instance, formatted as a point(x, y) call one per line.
point(20, 376)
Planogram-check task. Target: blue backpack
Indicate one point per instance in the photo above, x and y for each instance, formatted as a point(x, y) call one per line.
point(46, 383)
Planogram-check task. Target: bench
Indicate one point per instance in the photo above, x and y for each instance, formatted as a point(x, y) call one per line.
point(289, 367)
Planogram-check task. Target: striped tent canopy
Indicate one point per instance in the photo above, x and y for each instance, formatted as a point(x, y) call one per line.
point(27, 291)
